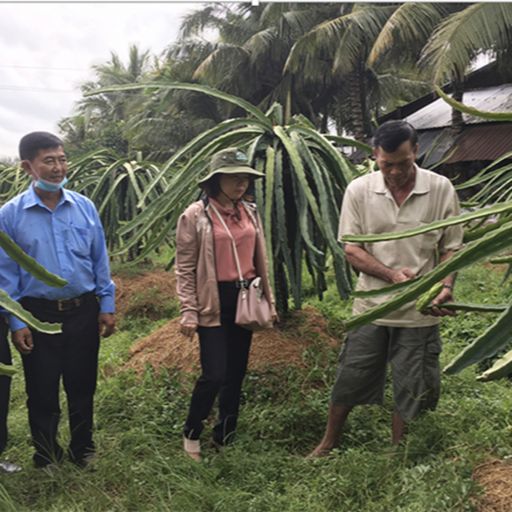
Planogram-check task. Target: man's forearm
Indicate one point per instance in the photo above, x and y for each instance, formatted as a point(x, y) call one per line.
point(448, 281)
point(365, 262)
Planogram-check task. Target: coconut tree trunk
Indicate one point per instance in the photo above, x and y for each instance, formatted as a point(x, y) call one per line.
point(457, 119)
point(324, 123)
point(357, 103)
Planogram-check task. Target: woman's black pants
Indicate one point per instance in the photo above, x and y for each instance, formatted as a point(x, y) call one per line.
point(224, 357)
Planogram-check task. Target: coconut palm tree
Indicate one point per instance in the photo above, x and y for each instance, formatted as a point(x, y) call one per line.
point(478, 28)
point(253, 45)
point(362, 91)
point(114, 72)
point(447, 38)
point(101, 118)
point(164, 120)
point(308, 57)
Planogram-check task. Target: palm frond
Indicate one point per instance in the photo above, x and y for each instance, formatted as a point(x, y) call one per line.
point(363, 25)
point(223, 62)
point(196, 22)
point(261, 44)
point(463, 35)
point(411, 23)
point(393, 90)
point(321, 39)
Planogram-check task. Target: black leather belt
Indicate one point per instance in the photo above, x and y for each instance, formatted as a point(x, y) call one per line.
point(236, 284)
point(60, 305)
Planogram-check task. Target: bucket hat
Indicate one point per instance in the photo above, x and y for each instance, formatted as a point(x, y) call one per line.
point(229, 161)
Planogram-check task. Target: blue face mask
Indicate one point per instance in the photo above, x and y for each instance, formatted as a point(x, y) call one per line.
point(49, 186)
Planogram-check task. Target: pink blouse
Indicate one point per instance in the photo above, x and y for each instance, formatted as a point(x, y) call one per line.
point(244, 233)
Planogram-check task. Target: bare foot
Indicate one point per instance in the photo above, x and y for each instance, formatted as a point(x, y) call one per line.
point(320, 451)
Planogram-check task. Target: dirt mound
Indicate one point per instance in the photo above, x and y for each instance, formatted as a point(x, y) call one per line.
point(144, 294)
point(167, 348)
point(495, 477)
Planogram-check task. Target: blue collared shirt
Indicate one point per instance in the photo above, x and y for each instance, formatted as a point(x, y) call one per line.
point(68, 241)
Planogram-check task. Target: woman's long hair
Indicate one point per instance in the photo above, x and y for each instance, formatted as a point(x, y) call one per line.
point(211, 188)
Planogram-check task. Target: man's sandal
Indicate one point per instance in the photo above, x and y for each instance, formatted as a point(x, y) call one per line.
point(192, 448)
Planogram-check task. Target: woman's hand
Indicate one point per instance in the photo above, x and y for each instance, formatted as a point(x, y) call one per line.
point(188, 330)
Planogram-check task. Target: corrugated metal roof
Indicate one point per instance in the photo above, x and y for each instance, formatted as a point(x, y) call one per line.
point(483, 142)
point(436, 145)
point(438, 114)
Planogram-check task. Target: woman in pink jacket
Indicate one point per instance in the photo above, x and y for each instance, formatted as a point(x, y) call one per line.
point(208, 283)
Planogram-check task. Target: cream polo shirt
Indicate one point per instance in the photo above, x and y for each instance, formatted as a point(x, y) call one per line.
point(369, 207)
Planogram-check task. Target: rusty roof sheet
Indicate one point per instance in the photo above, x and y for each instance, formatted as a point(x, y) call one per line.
point(483, 142)
point(438, 113)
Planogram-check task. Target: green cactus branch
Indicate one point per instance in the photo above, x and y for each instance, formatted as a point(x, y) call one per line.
point(29, 264)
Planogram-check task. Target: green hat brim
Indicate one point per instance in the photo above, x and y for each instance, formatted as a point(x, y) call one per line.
point(239, 169)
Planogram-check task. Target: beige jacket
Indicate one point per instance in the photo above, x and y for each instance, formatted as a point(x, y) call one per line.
point(196, 279)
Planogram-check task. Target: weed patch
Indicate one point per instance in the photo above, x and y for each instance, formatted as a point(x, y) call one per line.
point(445, 465)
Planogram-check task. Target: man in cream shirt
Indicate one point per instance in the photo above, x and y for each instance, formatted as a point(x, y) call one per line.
point(398, 197)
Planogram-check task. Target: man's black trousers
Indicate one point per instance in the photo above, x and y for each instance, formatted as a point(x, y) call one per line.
point(224, 358)
point(72, 356)
point(5, 383)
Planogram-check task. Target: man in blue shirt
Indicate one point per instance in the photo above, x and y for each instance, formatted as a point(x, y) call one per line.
point(62, 231)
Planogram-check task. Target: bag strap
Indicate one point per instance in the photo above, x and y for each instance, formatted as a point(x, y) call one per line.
point(233, 244)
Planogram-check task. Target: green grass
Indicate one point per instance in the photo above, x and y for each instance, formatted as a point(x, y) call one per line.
point(141, 466)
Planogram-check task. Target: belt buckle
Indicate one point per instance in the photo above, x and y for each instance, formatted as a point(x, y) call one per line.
point(67, 304)
point(243, 284)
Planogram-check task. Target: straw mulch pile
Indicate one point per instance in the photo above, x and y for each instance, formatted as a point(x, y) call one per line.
point(167, 348)
point(495, 478)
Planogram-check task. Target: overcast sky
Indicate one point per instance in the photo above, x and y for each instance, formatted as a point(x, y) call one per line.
point(47, 50)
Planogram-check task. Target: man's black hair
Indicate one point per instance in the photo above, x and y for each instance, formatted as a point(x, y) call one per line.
point(390, 135)
point(31, 143)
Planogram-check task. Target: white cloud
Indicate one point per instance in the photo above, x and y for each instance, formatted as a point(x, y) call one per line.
point(47, 50)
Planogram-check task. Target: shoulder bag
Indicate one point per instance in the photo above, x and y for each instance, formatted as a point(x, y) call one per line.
point(253, 310)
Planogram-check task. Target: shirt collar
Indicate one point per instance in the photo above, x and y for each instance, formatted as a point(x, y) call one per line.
point(32, 199)
point(226, 210)
point(421, 183)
